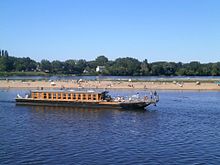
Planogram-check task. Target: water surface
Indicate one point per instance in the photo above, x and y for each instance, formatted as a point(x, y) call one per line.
point(184, 128)
point(73, 77)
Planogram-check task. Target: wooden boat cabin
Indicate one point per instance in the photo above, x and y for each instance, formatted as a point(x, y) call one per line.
point(67, 95)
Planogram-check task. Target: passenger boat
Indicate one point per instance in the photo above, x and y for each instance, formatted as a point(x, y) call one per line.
point(90, 98)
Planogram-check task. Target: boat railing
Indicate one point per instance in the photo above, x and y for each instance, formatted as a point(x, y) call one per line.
point(22, 97)
point(19, 97)
point(136, 98)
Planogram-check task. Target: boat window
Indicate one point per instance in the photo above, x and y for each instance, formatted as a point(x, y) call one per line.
point(44, 95)
point(34, 95)
point(59, 96)
point(89, 97)
point(94, 97)
point(64, 95)
point(84, 97)
point(49, 95)
point(69, 96)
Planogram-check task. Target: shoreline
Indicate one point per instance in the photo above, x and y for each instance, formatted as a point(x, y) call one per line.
point(111, 84)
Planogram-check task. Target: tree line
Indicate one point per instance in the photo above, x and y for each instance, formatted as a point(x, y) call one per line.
point(119, 67)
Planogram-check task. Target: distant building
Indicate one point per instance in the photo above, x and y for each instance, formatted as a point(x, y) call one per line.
point(100, 68)
point(46, 71)
point(38, 68)
point(85, 71)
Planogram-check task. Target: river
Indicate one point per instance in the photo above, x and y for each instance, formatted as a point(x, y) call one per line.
point(184, 128)
point(143, 78)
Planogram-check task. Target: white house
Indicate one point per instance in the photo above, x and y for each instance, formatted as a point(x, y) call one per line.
point(100, 68)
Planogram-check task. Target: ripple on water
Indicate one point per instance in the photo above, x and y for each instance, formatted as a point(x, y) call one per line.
point(184, 128)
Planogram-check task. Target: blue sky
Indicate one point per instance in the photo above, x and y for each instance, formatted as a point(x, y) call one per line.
point(157, 30)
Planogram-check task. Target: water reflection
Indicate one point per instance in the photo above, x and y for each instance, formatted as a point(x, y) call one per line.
point(42, 108)
point(61, 108)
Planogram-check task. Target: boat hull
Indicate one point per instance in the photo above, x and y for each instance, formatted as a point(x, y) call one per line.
point(107, 105)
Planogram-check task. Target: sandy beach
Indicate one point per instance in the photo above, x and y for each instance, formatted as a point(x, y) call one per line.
point(147, 85)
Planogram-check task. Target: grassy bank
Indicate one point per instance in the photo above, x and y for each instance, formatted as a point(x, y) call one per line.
point(5, 74)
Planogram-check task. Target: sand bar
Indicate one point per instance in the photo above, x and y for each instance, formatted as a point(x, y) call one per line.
point(109, 85)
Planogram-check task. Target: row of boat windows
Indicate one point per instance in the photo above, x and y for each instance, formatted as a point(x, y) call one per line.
point(64, 96)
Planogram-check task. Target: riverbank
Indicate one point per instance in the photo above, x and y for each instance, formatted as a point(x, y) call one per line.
point(91, 84)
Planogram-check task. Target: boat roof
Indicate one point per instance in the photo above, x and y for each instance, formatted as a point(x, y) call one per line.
point(66, 91)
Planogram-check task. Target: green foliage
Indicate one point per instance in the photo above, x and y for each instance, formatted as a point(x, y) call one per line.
point(45, 66)
point(69, 66)
point(80, 66)
point(125, 67)
point(145, 68)
point(24, 64)
point(128, 66)
point(101, 60)
point(23, 74)
point(57, 67)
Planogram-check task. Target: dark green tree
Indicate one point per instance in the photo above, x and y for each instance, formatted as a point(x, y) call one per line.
point(101, 60)
point(3, 53)
point(6, 53)
point(125, 67)
point(215, 69)
point(91, 67)
point(80, 66)
point(145, 68)
point(69, 66)
point(57, 67)
point(157, 69)
point(6, 64)
point(45, 66)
